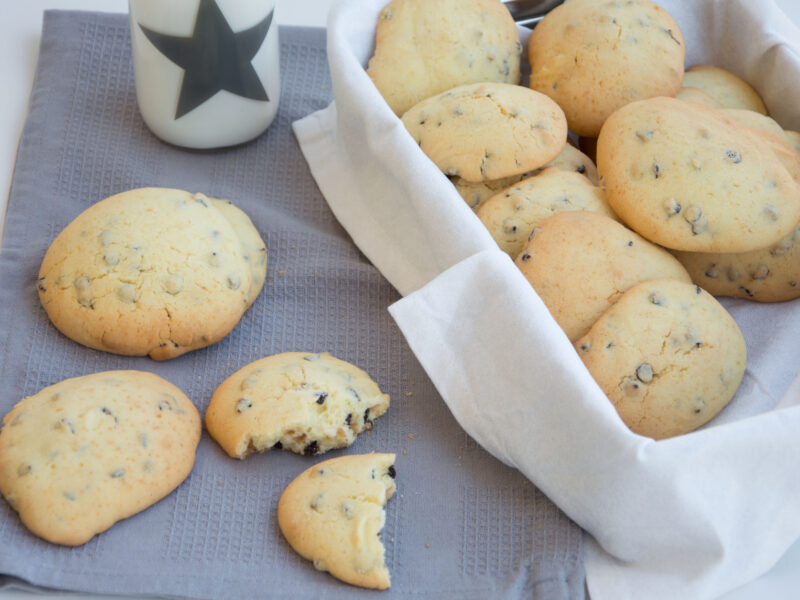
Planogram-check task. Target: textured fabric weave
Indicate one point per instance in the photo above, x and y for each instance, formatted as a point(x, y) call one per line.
point(462, 525)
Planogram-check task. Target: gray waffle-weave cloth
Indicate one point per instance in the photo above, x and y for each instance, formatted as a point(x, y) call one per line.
point(461, 525)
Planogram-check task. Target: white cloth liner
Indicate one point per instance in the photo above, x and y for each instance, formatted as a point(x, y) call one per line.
point(690, 517)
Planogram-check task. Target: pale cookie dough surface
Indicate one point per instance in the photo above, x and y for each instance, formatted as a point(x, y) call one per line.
point(580, 263)
point(512, 215)
point(693, 94)
point(730, 90)
point(570, 159)
point(300, 401)
point(84, 453)
point(332, 514)
point(687, 177)
point(152, 271)
point(423, 48)
point(488, 131)
point(595, 56)
point(793, 138)
point(768, 275)
point(667, 355)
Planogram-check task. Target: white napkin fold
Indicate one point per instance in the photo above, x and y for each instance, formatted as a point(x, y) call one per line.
point(690, 517)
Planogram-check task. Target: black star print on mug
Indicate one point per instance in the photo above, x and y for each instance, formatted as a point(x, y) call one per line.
point(214, 58)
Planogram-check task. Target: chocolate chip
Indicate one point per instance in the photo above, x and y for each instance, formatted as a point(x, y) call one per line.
point(111, 259)
point(657, 299)
point(242, 405)
point(117, 473)
point(347, 510)
point(355, 393)
point(213, 259)
point(69, 496)
point(311, 449)
point(200, 199)
point(127, 293)
point(609, 345)
point(581, 169)
point(525, 257)
point(316, 501)
point(65, 422)
point(772, 213)
point(321, 397)
point(712, 272)
point(644, 373)
point(746, 291)
point(311, 357)
point(173, 284)
point(630, 243)
point(349, 418)
point(82, 284)
point(697, 290)
point(23, 470)
point(143, 439)
point(656, 170)
point(392, 473)
point(277, 445)
point(671, 207)
point(644, 135)
point(586, 347)
point(40, 285)
point(234, 281)
point(733, 274)
point(733, 156)
point(366, 417)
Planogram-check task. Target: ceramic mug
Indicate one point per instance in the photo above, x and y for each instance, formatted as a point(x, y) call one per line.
point(207, 71)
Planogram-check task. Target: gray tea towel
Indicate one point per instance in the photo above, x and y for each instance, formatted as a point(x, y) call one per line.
point(461, 525)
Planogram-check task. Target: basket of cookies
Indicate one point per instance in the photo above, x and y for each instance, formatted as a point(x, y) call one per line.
point(595, 228)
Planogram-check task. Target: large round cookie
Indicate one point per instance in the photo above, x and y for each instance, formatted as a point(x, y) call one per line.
point(667, 355)
point(152, 271)
point(594, 56)
point(333, 514)
point(514, 213)
point(730, 90)
point(580, 263)
point(570, 159)
point(305, 402)
point(488, 130)
point(688, 177)
point(84, 453)
point(768, 275)
point(423, 48)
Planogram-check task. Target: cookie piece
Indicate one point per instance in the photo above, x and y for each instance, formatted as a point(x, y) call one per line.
point(692, 94)
point(333, 514)
point(730, 90)
point(300, 401)
point(667, 355)
point(152, 271)
point(570, 159)
point(594, 57)
point(488, 131)
point(512, 215)
point(580, 263)
point(768, 275)
point(87, 452)
point(685, 176)
point(423, 48)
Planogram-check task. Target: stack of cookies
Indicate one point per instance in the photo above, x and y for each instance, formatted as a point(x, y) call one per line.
point(695, 193)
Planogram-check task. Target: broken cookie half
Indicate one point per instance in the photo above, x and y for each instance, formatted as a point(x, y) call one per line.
point(333, 514)
point(300, 401)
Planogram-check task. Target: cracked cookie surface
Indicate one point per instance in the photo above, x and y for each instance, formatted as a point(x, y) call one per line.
point(332, 514)
point(667, 355)
point(305, 402)
point(581, 262)
point(688, 177)
point(595, 56)
point(488, 131)
point(84, 453)
point(423, 48)
point(152, 271)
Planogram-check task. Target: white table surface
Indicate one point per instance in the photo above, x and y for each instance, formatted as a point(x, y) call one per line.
point(20, 27)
